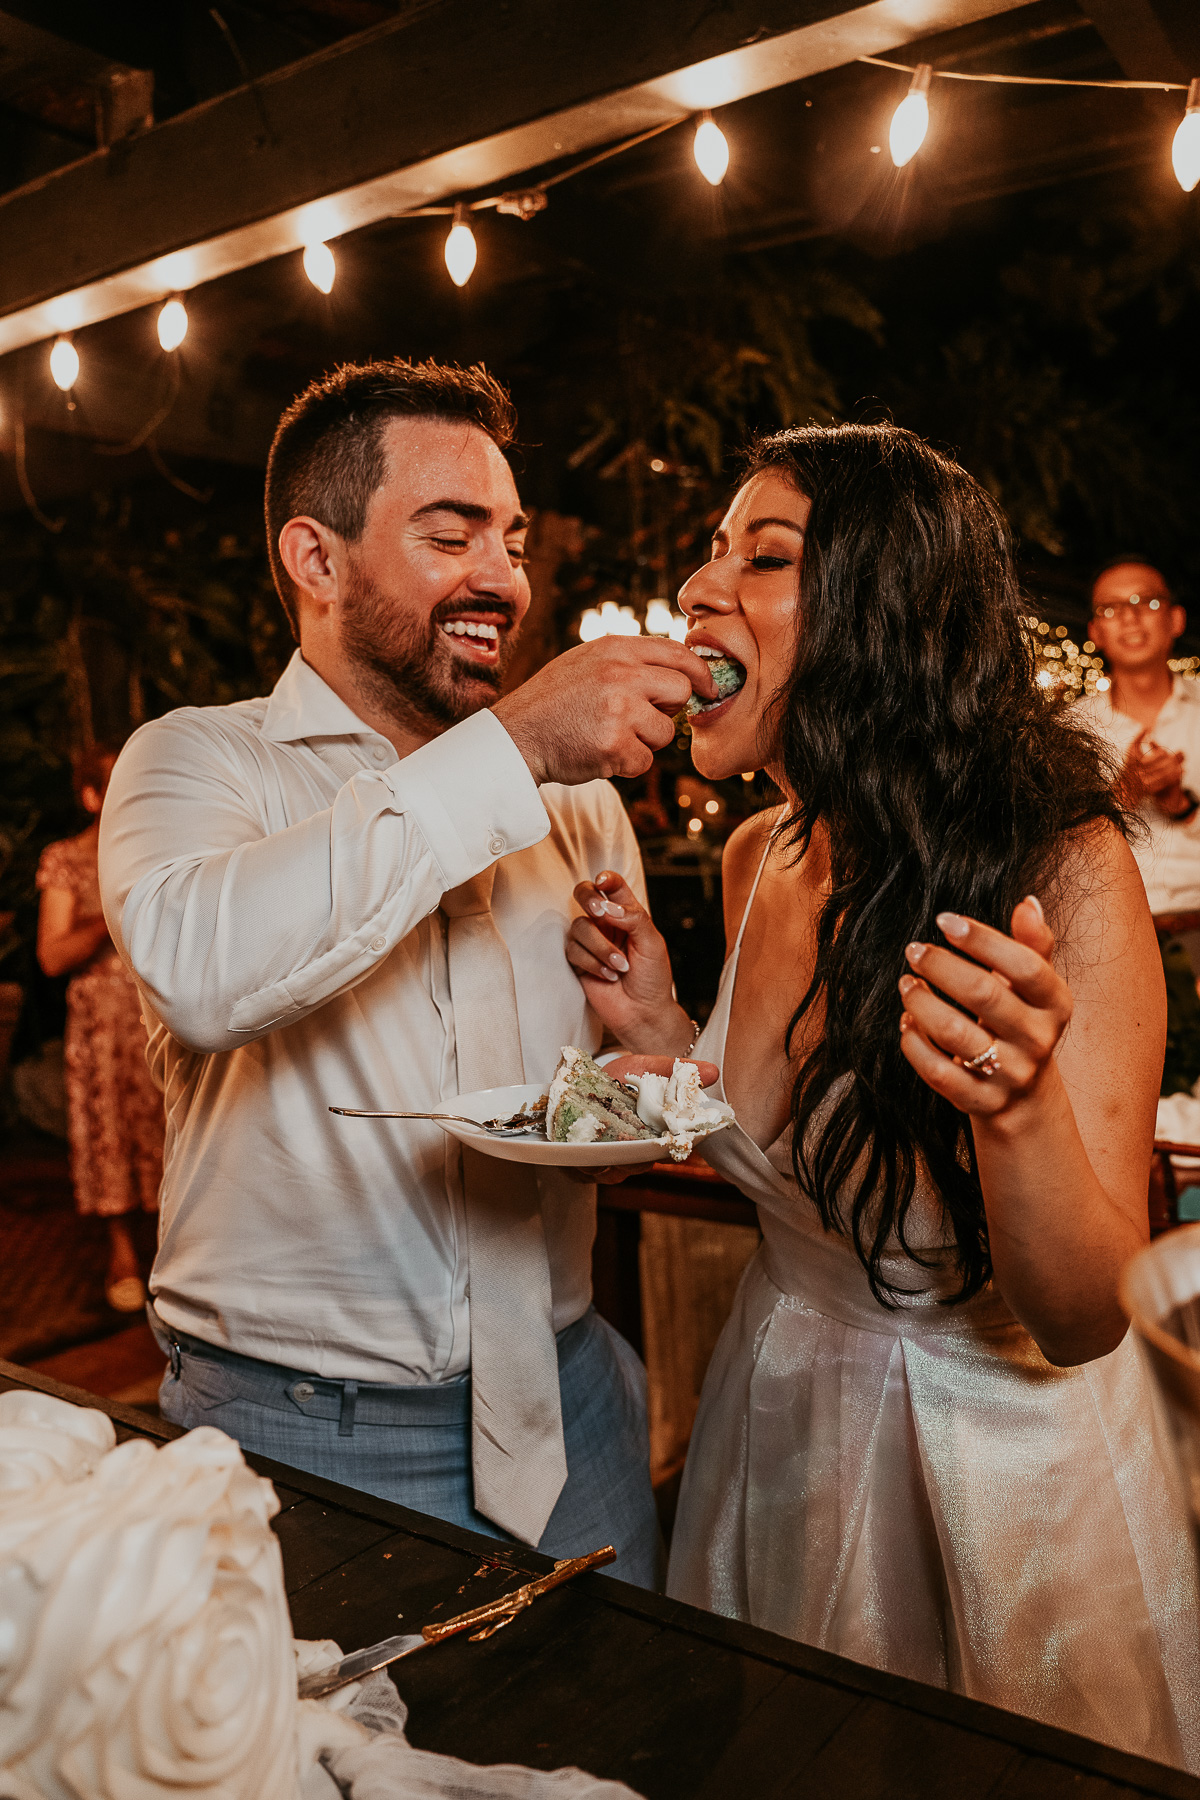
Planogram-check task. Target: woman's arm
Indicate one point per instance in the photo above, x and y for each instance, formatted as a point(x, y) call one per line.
point(65, 942)
point(1065, 1126)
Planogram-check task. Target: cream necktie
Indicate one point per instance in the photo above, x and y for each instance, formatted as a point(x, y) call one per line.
point(519, 1460)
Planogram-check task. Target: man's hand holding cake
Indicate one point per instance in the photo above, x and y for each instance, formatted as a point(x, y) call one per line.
point(604, 708)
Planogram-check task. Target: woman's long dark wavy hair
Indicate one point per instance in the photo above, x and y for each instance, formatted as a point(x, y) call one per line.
point(912, 730)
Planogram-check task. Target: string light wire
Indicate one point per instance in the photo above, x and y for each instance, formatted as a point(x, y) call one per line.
point(1154, 87)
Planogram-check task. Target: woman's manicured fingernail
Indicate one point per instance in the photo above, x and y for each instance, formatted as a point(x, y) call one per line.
point(614, 911)
point(905, 1021)
point(597, 908)
point(1032, 900)
point(953, 925)
point(619, 962)
point(610, 975)
point(915, 952)
point(907, 982)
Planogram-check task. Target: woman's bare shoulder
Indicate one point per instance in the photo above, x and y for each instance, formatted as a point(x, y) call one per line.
point(744, 851)
point(1097, 905)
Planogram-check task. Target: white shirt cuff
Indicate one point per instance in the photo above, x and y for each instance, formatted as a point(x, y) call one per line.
point(472, 795)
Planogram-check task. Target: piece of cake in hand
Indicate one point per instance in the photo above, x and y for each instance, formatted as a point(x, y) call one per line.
point(587, 1107)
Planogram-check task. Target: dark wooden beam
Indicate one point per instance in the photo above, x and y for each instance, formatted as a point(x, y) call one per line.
point(451, 96)
point(1151, 39)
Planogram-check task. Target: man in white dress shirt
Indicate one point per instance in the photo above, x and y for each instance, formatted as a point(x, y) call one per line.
point(284, 878)
point(1151, 720)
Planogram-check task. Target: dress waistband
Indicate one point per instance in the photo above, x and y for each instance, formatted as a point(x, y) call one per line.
point(823, 1272)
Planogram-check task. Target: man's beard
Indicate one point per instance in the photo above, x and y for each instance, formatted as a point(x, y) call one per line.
point(408, 668)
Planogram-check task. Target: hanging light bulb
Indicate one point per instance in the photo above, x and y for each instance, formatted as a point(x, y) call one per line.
point(172, 323)
point(319, 266)
point(461, 249)
point(1185, 148)
point(910, 121)
point(64, 364)
point(711, 150)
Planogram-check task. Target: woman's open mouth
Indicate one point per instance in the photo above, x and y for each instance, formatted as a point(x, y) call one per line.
point(729, 676)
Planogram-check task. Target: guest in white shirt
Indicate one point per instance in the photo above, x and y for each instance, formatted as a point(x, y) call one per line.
point(1151, 720)
point(285, 878)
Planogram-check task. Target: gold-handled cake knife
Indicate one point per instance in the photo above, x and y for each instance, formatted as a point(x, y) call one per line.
point(489, 1618)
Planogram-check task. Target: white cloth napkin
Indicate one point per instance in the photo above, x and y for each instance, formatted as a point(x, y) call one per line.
point(352, 1744)
point(1179, 1119)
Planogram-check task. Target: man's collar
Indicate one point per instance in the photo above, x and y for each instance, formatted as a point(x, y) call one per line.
point(304, 706)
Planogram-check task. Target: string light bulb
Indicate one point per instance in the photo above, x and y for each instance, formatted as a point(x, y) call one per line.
point(910, 121)
point(610, 620)
point(461, 249)
point(1185, 147)
point(64, 364)
point(172, 323)
point(710, 148)
point(319, 266)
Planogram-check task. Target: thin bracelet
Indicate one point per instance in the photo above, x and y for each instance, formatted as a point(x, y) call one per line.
point(695, 1040)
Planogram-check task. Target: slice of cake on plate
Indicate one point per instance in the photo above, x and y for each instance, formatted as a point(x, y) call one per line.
point(586, 1106)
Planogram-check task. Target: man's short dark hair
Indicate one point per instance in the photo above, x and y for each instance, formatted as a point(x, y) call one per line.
point(328, 455)
point(1119, 562)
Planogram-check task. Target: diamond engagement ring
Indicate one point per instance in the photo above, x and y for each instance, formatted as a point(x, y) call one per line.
point(986, 1063)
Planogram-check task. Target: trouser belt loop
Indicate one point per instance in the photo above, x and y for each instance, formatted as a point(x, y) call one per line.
point(175, 1356)
point(349, 1403)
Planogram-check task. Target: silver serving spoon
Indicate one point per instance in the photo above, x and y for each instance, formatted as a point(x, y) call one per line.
point(519, 1125)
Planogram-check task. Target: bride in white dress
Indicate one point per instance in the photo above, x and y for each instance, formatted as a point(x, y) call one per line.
point(925, 1440)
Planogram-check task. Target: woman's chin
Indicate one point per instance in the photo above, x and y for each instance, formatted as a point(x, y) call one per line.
point(716, 755)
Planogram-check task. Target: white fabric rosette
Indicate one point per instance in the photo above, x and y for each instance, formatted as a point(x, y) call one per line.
point(145, 1643)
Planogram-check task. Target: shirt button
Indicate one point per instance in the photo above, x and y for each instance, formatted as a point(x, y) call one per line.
point(378, 944)
point(303, 1390)
point(379, 753)
point(497, 845)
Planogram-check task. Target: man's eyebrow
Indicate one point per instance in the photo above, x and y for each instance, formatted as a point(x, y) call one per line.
point(469, 509)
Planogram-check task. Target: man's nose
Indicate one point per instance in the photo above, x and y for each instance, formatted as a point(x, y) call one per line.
point(494, 572)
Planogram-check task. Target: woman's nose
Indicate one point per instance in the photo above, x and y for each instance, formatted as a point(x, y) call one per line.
point(710, 589)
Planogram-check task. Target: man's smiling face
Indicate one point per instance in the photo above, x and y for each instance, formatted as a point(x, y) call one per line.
point(436, 586)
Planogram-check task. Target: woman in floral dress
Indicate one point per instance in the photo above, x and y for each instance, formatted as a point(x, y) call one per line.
point(114, 1110)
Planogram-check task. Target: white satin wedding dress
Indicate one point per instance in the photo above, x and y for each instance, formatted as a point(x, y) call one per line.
point(922, 1491)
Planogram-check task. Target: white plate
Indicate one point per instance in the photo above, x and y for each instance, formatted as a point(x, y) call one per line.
point(502, 1102)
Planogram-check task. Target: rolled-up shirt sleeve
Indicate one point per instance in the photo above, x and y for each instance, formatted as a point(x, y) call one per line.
point(234, 928)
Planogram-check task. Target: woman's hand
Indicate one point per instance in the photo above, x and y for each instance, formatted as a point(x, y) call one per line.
point(1020, 1007)
point(623, 965)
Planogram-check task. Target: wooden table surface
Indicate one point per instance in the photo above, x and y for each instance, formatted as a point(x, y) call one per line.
point(680, 1704)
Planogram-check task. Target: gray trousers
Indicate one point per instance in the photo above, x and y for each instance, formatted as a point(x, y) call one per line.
point(413, 1444)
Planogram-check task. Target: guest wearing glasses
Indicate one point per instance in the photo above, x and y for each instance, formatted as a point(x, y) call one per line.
point(1151, 720)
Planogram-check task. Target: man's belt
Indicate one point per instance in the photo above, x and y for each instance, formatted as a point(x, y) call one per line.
point(1169, 925)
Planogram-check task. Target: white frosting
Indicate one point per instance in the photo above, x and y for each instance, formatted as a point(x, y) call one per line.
point(585, 1130)
point(145, 1643)
point(558, 1087)
point(675, 1106)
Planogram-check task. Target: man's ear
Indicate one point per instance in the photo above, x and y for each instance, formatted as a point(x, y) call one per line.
point(312, 555)
point(1178, 622)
